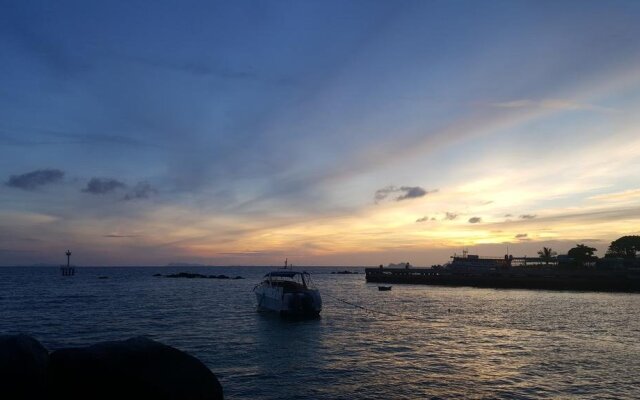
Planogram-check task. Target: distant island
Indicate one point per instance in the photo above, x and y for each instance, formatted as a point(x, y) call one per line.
point(190, 275)
point(184, 264)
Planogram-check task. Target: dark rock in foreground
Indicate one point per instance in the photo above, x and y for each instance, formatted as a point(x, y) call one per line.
point(135, 368)
point(23, 367)
point(138, 368)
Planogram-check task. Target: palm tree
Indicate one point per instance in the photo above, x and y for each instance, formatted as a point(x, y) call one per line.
point(582, 254)
point(547, 254)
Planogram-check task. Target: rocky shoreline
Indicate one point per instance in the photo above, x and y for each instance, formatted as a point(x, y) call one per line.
point(135, 368)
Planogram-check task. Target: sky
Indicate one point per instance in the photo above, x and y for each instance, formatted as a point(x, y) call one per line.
point(325, 132)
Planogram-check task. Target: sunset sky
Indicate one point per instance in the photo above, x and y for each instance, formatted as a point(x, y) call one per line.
point(327, 132)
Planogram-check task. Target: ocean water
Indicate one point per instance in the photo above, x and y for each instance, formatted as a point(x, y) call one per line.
point(413, 342)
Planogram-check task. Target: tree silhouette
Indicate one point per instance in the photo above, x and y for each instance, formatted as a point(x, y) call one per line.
point(547, 254)
point(625, 247)
point(582, 254)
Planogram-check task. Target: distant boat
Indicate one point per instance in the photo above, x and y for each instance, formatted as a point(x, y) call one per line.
point(384, 288)
point(288, 293)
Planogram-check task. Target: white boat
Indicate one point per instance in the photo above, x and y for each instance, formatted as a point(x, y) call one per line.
point(288, 293)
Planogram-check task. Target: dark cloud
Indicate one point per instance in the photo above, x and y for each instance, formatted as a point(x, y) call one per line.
point(523, 237)
point(508, 215)
point(423, 219)
point(382, 194)
point(411, 192)
point(35, 179)
point(142, 190)
point(103, 185)
point(527, 216)
point(475, 220)
point(449, 216)
point(406, 192)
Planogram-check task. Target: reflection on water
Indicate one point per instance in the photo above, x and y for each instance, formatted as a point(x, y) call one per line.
point(431, 342)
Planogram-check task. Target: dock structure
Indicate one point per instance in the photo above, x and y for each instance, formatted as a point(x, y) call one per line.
point(68, 270)
point(510, 273)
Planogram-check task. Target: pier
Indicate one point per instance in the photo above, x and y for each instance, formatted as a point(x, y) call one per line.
point(511, 273)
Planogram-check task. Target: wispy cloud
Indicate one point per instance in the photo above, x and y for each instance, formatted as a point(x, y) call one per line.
point(552, 104)
point(405, 192)
point(116, 235)
point(527, 216)
point(51, 53)
point(103, 186)
point(35, 179)
point(142, 190)
point(197, 68)
point(521, 235)
point(475, 220)
point(423, 219)
point(253, 253)
point(449, 216)
point(618, 196)
point(584, 216)
point(30, 136)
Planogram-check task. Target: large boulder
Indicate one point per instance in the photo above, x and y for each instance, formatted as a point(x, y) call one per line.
point(23, 367)
point(136, 368)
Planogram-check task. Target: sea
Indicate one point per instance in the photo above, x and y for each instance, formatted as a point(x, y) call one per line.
point(413, 342)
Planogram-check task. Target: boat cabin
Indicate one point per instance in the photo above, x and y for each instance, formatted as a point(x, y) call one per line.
point(290, 281)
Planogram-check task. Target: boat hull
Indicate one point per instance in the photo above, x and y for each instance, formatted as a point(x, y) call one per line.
point(306, 303)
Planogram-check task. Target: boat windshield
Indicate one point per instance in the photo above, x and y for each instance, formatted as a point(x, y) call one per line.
point(288, 277)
